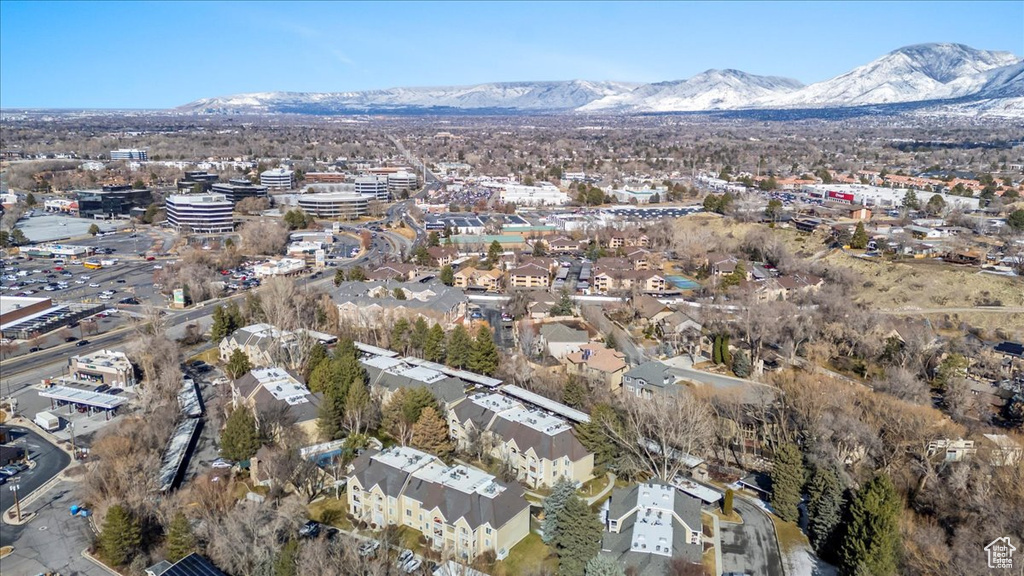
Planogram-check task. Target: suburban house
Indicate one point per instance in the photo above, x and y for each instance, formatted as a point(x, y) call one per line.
point(472, 278)
point(265, 345)
point(541, 447)
point(373, 304)
point(273, 393)
point(650, 310)
point(529, 276)
point(458, 509)
point(597, 363)
point(559, 340)
point(648, 525)
point(650, 379)
point(783, 287)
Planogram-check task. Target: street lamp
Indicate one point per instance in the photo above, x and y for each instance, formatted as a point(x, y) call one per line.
point(17, 504)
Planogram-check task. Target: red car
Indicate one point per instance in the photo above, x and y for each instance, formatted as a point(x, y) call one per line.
point(150, 258)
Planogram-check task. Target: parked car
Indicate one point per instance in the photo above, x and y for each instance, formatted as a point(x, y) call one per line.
point(369, 548)
point(82, 343)
point(412, 565)
point(34, 349)
point(222, 463)
point(310, 529)
point(404, 557)
point(70, 339)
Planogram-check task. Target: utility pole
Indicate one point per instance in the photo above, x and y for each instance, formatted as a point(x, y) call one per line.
point(17, 504)
point(74, 450)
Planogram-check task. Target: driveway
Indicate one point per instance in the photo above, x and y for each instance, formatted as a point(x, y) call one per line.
point(750, 548)
point(49, 462)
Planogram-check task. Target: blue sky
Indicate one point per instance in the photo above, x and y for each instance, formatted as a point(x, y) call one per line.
point(157, 55)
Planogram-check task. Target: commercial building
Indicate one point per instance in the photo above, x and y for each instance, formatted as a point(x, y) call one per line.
point(197, 182)
point(373, 187)
point(542, 195)
point(335, 205)
point(326, 177)
point(872, 196)
point(206, 213)
point(460, 510)
point(238, 189)
point(648, 525)
point(23, 317)
point(275, 391)
point(541, 447)
point(112, 201)
point(105, 367)
point(279, 267)
point(278, 179)
point(402, 182)
point(129, 154)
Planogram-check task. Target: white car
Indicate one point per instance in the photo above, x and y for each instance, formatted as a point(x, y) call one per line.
point(157, 267)
point(94, 285)
point(106, 297)
point(84, 277)
point(79, 281)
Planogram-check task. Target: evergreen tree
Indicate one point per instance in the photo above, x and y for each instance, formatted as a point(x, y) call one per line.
point(872, 540)
point(447, 275)
point(430, 433)
point(824, 508)
point(459, 347)
point(120, 537)
point(860, 237)
point(483, 358)
point(564, 306)
point(357, 402)
point(716, 355)
point(286, 561)
point(578, 537)
point(910, 201)
point(433, 346)
point(339, 277)
point(357, 274)
point(594, 436)
point(418, 336)
point(30, 199)
point(331, 416)
point(561, 492)
point(433, 239)
point(240, 439)
point(494, 252)
point(399, 294)
point(238, 365)
point(603, 566)
point(219, 328)
point(741, 364)
point(421, 256)
point(726, 354)
point(787, 482)
point(399, 331)
point(317, 354)
point(94, 230)
point(574, 394)
point(180, 540)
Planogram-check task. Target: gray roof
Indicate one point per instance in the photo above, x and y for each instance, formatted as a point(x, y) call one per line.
point(549, 446)
point(652, 372)
point(448, 389)
point(623, 506)
point(445, 299)
point(557, 332)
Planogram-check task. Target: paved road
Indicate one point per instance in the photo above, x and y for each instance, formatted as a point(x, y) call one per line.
point(960, 310)
point(49, 462)
point(53, 541)
point(751, 547)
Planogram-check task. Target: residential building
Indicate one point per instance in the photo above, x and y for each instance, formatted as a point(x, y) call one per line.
point(650, 524)
point(609, 280)
point(470, 277)
point(335, 205)
point(386, 374)
point(650, 309)
point(460, 510)
point(597, 363)
point(441, 256)
point(236, 190)
point(106, 367)
point(266, 346)
point(560, 340)
point(652, 378)
point(373, 304)
point(399, 271)
point(204, 214)
point(373, 187)
point(191, 565)
point(278, 179)
point(279, 267)
point(540, 446)
point(529, 276)
point(112, 201)
point(563, 245)
point(273, 393)
point(129, 154)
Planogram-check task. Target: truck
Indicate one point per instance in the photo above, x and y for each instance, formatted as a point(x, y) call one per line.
point(47, 421)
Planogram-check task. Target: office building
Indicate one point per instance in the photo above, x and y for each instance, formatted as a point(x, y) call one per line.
point(196, 182)
point(460, 510)
point(238, 189)
point(335, 205)
point(402, 182)
point(205, 214)
point(326, 177)
point(129, 154)
point(373, 187)
point(542, 195)
point(542, 447)
point(278, 179)
point(112, 201)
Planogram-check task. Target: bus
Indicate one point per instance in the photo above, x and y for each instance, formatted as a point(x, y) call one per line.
point(92, 265)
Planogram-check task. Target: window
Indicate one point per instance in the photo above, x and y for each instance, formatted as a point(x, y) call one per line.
point(488, 530)
point(408, 512)
point(487, 542)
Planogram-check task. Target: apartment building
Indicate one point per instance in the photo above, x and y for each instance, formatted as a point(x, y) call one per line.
point(266, 345)
point(470, 277)
point(540, 446)
point(529, 276)
point(274, 391)
point(460, 510)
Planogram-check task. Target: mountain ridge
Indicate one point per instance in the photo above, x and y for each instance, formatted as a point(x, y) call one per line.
point(947, 74)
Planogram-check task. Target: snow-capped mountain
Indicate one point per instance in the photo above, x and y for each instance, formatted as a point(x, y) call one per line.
point(709, 90)
point(910, 74)
point(928, 77)
point(515, 96)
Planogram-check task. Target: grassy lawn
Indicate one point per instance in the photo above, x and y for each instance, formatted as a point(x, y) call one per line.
point(734, 517)
point(410, 538)
point(790, 536)
point(708, 560)
point(530, 556)
point(331, 511)
point(594, 486)
point(211, 356)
